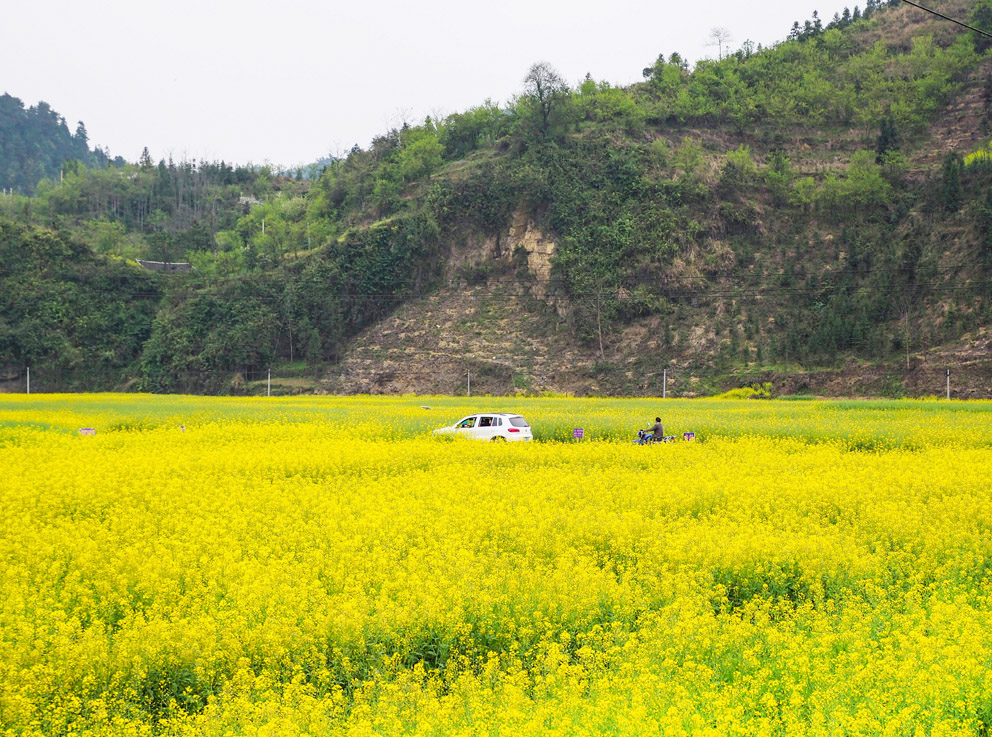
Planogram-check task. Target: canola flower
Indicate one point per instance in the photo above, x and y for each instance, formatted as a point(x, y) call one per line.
point(325, 566)
point(980, 156)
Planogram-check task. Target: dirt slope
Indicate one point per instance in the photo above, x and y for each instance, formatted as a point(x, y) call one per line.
point(498, 340)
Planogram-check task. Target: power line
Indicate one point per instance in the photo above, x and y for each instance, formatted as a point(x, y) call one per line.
point(399, 371)
point(624, 282)
point(669, 293)
point(763, 284)
point(947, 17)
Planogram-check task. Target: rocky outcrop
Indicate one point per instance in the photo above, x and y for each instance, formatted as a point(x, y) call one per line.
point(539, 249)
point(524, 243)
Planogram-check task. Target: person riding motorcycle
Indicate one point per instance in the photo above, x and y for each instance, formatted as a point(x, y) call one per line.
point(657, 430)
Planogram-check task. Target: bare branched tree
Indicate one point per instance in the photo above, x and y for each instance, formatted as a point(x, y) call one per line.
point(721, 37)
point(546, 87)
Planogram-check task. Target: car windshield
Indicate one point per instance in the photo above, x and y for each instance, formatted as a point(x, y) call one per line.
point(518, 421)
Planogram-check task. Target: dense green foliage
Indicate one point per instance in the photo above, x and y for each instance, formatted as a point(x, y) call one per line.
point(783, 196)
point(35, 143)
point(66, 309)
point(300, 309)
point(163, 212)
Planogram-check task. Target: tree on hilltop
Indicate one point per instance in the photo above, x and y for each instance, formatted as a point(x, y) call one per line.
point(721, 37)
point(547, 90)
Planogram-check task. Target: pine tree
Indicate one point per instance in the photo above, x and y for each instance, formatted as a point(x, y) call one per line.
point(888, 139)
point(951, 184)
point(984, 220)
point(981, 17)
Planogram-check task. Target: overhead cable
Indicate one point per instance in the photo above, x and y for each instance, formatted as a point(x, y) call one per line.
point(947, 17)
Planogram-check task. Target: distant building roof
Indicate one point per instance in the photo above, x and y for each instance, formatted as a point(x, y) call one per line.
point(167, 266)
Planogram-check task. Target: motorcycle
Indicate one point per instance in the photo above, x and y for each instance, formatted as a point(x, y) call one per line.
point(646, 438)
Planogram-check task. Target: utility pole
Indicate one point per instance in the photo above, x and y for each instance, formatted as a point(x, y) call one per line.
point(29, 379)
point(268, 384)
point(468, 378)
point(947, 374)
point(664, 383)
point(599, 322)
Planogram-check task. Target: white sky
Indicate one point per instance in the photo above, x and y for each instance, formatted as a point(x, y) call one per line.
point(287, 82)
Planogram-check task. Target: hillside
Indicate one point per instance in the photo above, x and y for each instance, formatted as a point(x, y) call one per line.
point(35, 143)
point(816, 214)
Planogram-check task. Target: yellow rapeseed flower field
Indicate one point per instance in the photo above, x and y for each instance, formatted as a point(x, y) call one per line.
point(324, 566)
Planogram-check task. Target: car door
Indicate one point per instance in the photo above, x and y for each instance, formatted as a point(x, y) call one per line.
point(467, 426)
point(486, 428)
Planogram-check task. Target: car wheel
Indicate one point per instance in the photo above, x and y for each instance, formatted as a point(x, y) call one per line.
point(498, 439)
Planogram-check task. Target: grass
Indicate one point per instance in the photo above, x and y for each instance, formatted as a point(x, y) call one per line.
point(860, 423)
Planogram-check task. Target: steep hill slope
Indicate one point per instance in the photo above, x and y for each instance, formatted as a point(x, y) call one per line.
point(868, 291)
point(817, 213)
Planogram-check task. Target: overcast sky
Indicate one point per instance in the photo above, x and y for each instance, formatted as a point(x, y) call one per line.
point(286, 83)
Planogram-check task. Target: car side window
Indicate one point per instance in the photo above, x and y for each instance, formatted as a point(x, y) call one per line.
point(467, 422)
point(497, 422)
point(485, 422)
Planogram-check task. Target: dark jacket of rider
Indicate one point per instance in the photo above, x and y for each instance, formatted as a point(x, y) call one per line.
point(657, 429)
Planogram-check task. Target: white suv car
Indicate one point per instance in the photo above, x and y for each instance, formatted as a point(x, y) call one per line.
point(490, 426)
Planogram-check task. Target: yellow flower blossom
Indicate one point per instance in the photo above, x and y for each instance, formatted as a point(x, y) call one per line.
point(325, 566)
